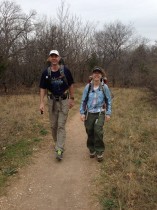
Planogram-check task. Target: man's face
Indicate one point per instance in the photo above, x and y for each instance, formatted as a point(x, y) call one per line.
point(54, 59)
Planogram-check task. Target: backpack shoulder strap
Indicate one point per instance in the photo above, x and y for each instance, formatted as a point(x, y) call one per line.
point(63, 74)
point(86, 99)
point(89, 88)
point(49, 74)
point(102, 86)
point(87, 96)
point(49, 78)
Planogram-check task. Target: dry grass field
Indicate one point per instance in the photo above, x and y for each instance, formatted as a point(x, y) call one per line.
point(21, 133)
point(129, 172)
point(128, 179)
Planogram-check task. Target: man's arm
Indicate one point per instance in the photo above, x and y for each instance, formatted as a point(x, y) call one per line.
point(71, 96)
point(71, 92)
point(42, 95)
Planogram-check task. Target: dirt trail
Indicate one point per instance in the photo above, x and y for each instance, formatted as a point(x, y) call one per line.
point(47, 184)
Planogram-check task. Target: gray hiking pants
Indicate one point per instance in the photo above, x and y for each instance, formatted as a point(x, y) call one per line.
point(58, 113)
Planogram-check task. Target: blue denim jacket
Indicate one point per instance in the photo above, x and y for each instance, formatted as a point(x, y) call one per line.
point(96, 100)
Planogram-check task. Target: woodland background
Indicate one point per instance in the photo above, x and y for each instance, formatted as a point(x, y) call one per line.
point(26, 39)
point(128, 174)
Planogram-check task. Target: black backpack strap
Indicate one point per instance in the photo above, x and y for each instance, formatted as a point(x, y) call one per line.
point(86, 99)
point(89, 88)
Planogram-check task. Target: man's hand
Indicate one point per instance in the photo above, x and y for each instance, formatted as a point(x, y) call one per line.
point(71, 103)
point(41, 108)
point(42, 95)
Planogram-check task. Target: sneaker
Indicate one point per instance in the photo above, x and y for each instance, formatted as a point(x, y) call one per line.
point(92, 154)
point(59, 155)
point(100, 157)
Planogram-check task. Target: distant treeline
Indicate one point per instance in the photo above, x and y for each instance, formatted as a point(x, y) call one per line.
point(25, 42)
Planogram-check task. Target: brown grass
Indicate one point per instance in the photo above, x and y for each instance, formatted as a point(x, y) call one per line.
point(21, 132)
point(22, 129)
point(19, 118)
point(129, 173)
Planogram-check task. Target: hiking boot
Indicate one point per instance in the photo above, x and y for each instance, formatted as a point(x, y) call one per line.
point(92, 154)
point(100, 157)
point(59, 155)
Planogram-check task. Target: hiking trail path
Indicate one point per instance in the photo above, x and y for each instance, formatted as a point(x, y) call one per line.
point(46, 184)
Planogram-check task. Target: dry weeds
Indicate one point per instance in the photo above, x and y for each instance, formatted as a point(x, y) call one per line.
point(21, 133)
point(129, 173)
point(128, 176)
point(19, 118)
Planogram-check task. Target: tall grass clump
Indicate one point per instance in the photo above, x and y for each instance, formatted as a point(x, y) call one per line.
point(129, 171)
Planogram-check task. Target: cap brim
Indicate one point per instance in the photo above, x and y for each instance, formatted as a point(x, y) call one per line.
point(97, 71)
point(53, 54)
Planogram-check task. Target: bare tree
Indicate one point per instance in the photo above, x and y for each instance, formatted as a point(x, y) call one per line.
point(74, 41)
point(15, 29)
point(111, 42)
point(25, 43)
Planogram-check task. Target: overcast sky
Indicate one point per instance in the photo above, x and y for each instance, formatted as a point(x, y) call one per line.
point(142, 14)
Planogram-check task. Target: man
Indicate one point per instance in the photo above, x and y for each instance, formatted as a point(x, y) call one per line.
point(57, 82)
point(95, 109)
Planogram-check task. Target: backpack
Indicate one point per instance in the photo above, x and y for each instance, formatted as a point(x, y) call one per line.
point(104, 80)
point(87, 97)
point(61, 69)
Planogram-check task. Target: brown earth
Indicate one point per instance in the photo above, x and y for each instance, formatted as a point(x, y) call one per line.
point(47, 184)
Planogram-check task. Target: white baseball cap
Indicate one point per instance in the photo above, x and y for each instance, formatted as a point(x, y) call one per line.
point(54, 52)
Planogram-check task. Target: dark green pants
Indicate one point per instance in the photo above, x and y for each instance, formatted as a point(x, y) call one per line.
point(94, 128)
